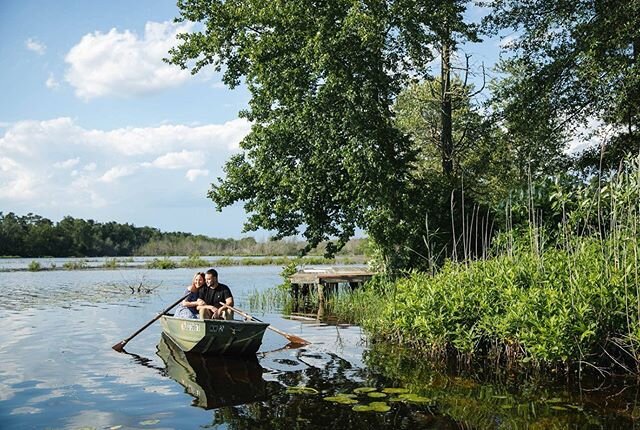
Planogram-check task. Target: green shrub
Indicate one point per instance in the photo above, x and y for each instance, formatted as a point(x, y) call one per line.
point(34, 266)
point(75, 265)
point(194, 261)
point(162, 263)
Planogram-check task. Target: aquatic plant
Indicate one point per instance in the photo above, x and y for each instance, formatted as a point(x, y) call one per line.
point(162, 263)
point(34, 266)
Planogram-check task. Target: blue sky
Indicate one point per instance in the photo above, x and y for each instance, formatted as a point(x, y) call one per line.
point(94, 125)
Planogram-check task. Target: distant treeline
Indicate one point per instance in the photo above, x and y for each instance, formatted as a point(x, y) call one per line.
point(35, 236)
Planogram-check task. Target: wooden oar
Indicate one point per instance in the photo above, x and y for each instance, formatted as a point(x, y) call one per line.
point(290, 337)
point(120, 345)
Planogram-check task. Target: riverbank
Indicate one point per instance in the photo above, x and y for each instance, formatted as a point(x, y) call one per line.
point(166, 263)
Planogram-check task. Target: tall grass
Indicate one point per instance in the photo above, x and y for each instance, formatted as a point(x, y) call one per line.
point(550, 295)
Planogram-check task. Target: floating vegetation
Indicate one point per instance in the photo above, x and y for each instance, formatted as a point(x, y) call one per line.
point(376, 394)
point(34, 266)
point(302, 390)
point(372, 407)
point(75, 265)
point(149, 422)
point(364, 390)
point(162, 263)
point(194, 261)
point(343, 399)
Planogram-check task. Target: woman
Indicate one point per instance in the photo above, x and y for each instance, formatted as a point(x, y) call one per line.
point(189, 306)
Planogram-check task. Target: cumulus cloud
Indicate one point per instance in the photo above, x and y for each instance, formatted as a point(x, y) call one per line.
point(192, 174)
point(118, 172)
point(35, 46)
point(178, 160)
point(60, 163)
point(123, 64)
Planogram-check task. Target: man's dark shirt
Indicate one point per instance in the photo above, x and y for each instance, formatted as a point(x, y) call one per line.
point(213, 296)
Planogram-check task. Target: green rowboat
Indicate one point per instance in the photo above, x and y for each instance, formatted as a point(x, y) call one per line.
point(218, 337)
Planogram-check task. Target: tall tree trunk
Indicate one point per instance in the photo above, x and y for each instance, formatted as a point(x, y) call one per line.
point(446, 138)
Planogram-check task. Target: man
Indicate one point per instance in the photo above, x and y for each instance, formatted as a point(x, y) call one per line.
point(212, 294)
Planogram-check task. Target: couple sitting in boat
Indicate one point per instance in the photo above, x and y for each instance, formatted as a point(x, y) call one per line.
point(205, 296)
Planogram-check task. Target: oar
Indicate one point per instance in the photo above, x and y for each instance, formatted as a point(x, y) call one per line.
point(120, 345)
point(290, 337)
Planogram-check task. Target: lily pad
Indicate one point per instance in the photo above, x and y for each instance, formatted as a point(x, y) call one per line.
point(364, 390)
point(376, 394)
point(343, 400)
point(395, 390)
point(372, 407)
point(380, 406)
point(301, 390)
point(395, 399)
point(149, 422)
point(361, 408)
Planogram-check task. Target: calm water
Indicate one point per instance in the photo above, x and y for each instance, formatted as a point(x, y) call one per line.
point(58, 371)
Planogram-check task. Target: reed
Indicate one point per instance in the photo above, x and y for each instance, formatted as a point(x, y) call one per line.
point(547, 295)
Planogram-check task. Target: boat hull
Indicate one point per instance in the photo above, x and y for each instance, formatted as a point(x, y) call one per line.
point(217, 337)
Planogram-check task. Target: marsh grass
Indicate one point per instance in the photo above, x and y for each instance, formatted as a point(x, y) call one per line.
point(547, 296)
point(34, 266)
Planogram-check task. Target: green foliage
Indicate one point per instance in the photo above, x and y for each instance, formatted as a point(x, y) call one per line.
point(110, 263)
point(573, 64)
point(194, 261)
point(324, 155)
point(75, 265)
point(162, 263)
point(546, 299)
point(34, 266)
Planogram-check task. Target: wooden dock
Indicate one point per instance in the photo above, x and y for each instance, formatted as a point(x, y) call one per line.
point(326, 280)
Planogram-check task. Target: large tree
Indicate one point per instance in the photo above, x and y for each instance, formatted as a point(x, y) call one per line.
point(572, 64)
point(324, 155)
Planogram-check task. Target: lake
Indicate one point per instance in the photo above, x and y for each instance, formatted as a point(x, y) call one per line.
point(58, 371)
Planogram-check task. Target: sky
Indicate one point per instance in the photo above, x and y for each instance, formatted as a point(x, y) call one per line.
point(93, 124)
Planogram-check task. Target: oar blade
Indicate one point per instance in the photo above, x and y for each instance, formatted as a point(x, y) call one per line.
point(119, 346)
point(297, 340)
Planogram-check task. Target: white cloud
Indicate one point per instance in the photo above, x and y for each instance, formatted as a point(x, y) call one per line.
point(178, 160)
point(51, 82)
point(66, 164)
point(118, 172)
point(192, 174)
point(16, 181)
point(35, 46)
point(123, 64)
point(58, 163)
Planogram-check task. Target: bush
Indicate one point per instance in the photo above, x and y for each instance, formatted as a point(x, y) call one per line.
point(34, 266)
point(162, 263)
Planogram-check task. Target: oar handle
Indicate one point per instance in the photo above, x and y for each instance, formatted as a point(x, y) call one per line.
point(120, 345)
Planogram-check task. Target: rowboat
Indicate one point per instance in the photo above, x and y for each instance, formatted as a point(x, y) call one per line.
point(213, 381)
point(217, 337)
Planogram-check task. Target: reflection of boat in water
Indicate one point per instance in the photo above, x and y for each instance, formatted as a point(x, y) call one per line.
point(214, 381)
point(214, 336)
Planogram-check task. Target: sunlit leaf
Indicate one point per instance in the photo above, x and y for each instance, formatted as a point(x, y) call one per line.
point(376, 394)
point(343, 400)
point(301, 390)
point(363, 390)
point(395, 390)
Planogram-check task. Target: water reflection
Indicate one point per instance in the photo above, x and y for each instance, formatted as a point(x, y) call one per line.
point(214, 381)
